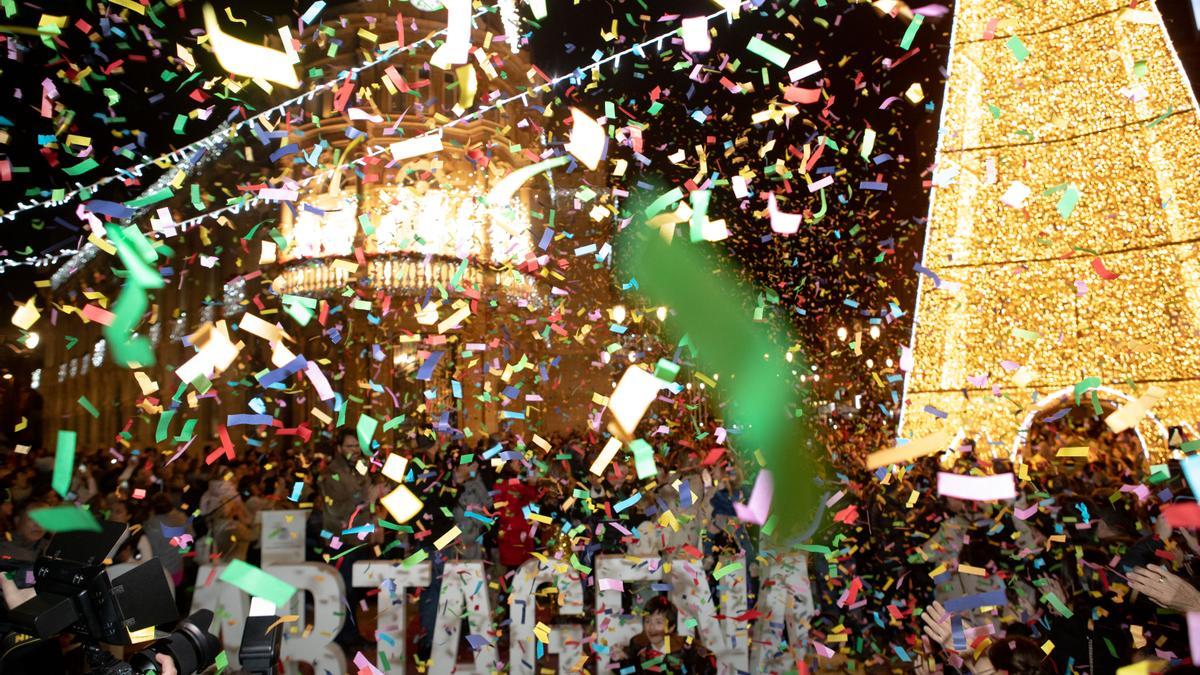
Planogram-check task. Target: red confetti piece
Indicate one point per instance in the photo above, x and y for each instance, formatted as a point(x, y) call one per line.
point(1102, 271)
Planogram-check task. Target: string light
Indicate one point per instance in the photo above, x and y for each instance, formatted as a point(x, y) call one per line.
point(576, 77)
point(223, 134)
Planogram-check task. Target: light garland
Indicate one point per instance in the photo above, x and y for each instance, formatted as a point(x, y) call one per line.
point(576, 77)
point(221, 135)
point(1096, 117)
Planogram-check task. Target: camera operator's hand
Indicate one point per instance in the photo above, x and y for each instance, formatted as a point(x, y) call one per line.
point(166, 665)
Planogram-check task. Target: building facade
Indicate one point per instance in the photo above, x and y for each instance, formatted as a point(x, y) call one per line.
point(417, 297)
point(1061, 243)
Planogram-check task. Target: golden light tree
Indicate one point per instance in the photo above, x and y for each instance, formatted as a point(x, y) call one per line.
point(1064, 222)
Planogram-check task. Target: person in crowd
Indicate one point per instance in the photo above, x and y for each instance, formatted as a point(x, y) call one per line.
point(229, 527)
point(658, 648)
point(472, 498)
point(27, 539)
point(1084, 559)
point(345, 491)
point(512, 494)
point(167, 532)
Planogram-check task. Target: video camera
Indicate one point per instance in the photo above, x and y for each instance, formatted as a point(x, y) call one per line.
point(76, 595)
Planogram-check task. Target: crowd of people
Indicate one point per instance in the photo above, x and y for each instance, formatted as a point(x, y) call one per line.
point(1081, 573)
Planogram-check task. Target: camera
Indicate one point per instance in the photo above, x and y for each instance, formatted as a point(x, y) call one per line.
point(75, 595)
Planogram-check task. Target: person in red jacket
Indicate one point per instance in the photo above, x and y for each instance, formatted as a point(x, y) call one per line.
point(513, 492)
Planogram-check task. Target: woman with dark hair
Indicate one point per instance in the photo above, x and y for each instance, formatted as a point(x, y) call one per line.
point(1019, 656)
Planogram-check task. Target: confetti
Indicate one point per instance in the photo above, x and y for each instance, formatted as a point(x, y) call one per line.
point(248, 59)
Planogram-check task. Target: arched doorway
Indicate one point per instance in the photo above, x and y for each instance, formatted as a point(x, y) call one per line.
point(1056, 422)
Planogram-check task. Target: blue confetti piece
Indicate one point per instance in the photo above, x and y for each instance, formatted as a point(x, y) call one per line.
point(426, 371)
point(969, 602)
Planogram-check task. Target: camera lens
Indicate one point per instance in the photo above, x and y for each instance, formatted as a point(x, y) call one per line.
point(190, 645)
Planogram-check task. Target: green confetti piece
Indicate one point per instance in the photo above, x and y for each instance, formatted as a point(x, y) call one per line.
point(1170, 109)
point(415, 558)
point(768, 527)
point(697, 282)
point(911, 31)
point(258, 583)
point(1032, 336)
point(197, 202)
point(66, 518)
point(138, 255)
point(768, 51)
point(366, 431)
point(660, 204)
point(643, 459)
point(1068, 201)
point(1019, 51)
point(189, 430)
point(1159, 473)
point(160, 196)
point(64, 462)
point(700, 200)
point(1084, 385)
point(180, 120)
point(298, 308)
point(222, 661)
point(349, 550)
point(666, 370)
point(87, 405)
point(1058, 605)
point(129, 351)
point(82, 167)
point(163, 428)
point(814, 548)
point(722, 571)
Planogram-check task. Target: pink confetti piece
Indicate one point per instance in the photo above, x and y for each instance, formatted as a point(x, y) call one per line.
point(760, 500)
point(977, 488)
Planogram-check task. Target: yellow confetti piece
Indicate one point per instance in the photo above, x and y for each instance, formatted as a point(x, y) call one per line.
point(454, 319)
point(587, 139)
point(247, 59)
point(605, 457)
point(345, 266)
point(444, 540)
point(394, 467)
point(130, 4)
point(902, 454)
point(402, 504)
point(26, 315)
